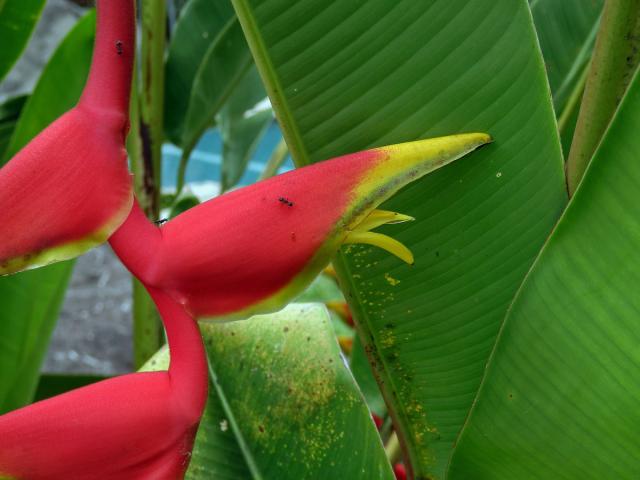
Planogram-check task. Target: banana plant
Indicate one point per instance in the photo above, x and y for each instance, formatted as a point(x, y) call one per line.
point(490, 324)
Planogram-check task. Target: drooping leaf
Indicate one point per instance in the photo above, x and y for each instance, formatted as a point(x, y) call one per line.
point(223, 67)
point(560, 396)
point(243, 121)
point(31, 300)
point(359, 74)
point(199, 26)
point(17, 19)
point(283, 403)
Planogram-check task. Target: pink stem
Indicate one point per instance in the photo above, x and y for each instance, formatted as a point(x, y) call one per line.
point(137, 243)
point(109, 83)
point(188, 367)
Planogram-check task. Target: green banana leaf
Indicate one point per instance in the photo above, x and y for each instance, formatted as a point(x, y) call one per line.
point(31, 300)
point(560, 397)
point(283, 404)
point(241, 127)
point(352, 75)
point(17, 20)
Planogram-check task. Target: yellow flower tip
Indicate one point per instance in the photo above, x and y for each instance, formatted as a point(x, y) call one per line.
point(381, 217)
point(385, 242)
point(361, 233)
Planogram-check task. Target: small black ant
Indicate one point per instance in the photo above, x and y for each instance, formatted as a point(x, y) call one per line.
point(286, 201)
point(119, 47)
point(162, 221)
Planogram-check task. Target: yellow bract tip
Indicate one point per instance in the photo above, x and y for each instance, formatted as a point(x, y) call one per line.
point(414, 159)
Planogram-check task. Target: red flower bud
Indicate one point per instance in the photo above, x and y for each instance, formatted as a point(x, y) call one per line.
point(137, 426)
point(253, 249)
point(69, 188)
point(377, 420)
point(400, 471)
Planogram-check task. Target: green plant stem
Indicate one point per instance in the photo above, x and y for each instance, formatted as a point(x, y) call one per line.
point(152, 100)
point(615, 59)
point(182, 170)
point(147, 329)
point(278, 156)
point(146, 159)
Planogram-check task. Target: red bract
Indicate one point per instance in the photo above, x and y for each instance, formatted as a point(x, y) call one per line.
point(253, 249)
point(133, 427)
point(69, 188)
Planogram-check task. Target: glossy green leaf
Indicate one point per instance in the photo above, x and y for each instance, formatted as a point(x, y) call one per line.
point(560, 397)
point(243, 121)
point(282, 404)
point(217, 453)
point(9, 114)
point(17, 19)
point(567, 32)
point(353, 75)
point(198, 27)
point(31, 300)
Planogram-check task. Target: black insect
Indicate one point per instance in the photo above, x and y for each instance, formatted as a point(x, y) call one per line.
point(119, 47)
point(286, 201)
point(161, 221)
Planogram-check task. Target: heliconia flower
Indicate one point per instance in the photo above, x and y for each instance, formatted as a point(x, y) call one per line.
point(253, 249)
point(69, 188)
point(133, 427)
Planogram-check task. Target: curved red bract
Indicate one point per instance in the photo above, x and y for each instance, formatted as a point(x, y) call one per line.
point(69, 188)
point(232, 252)
point(252, 250)
point(137, 426)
